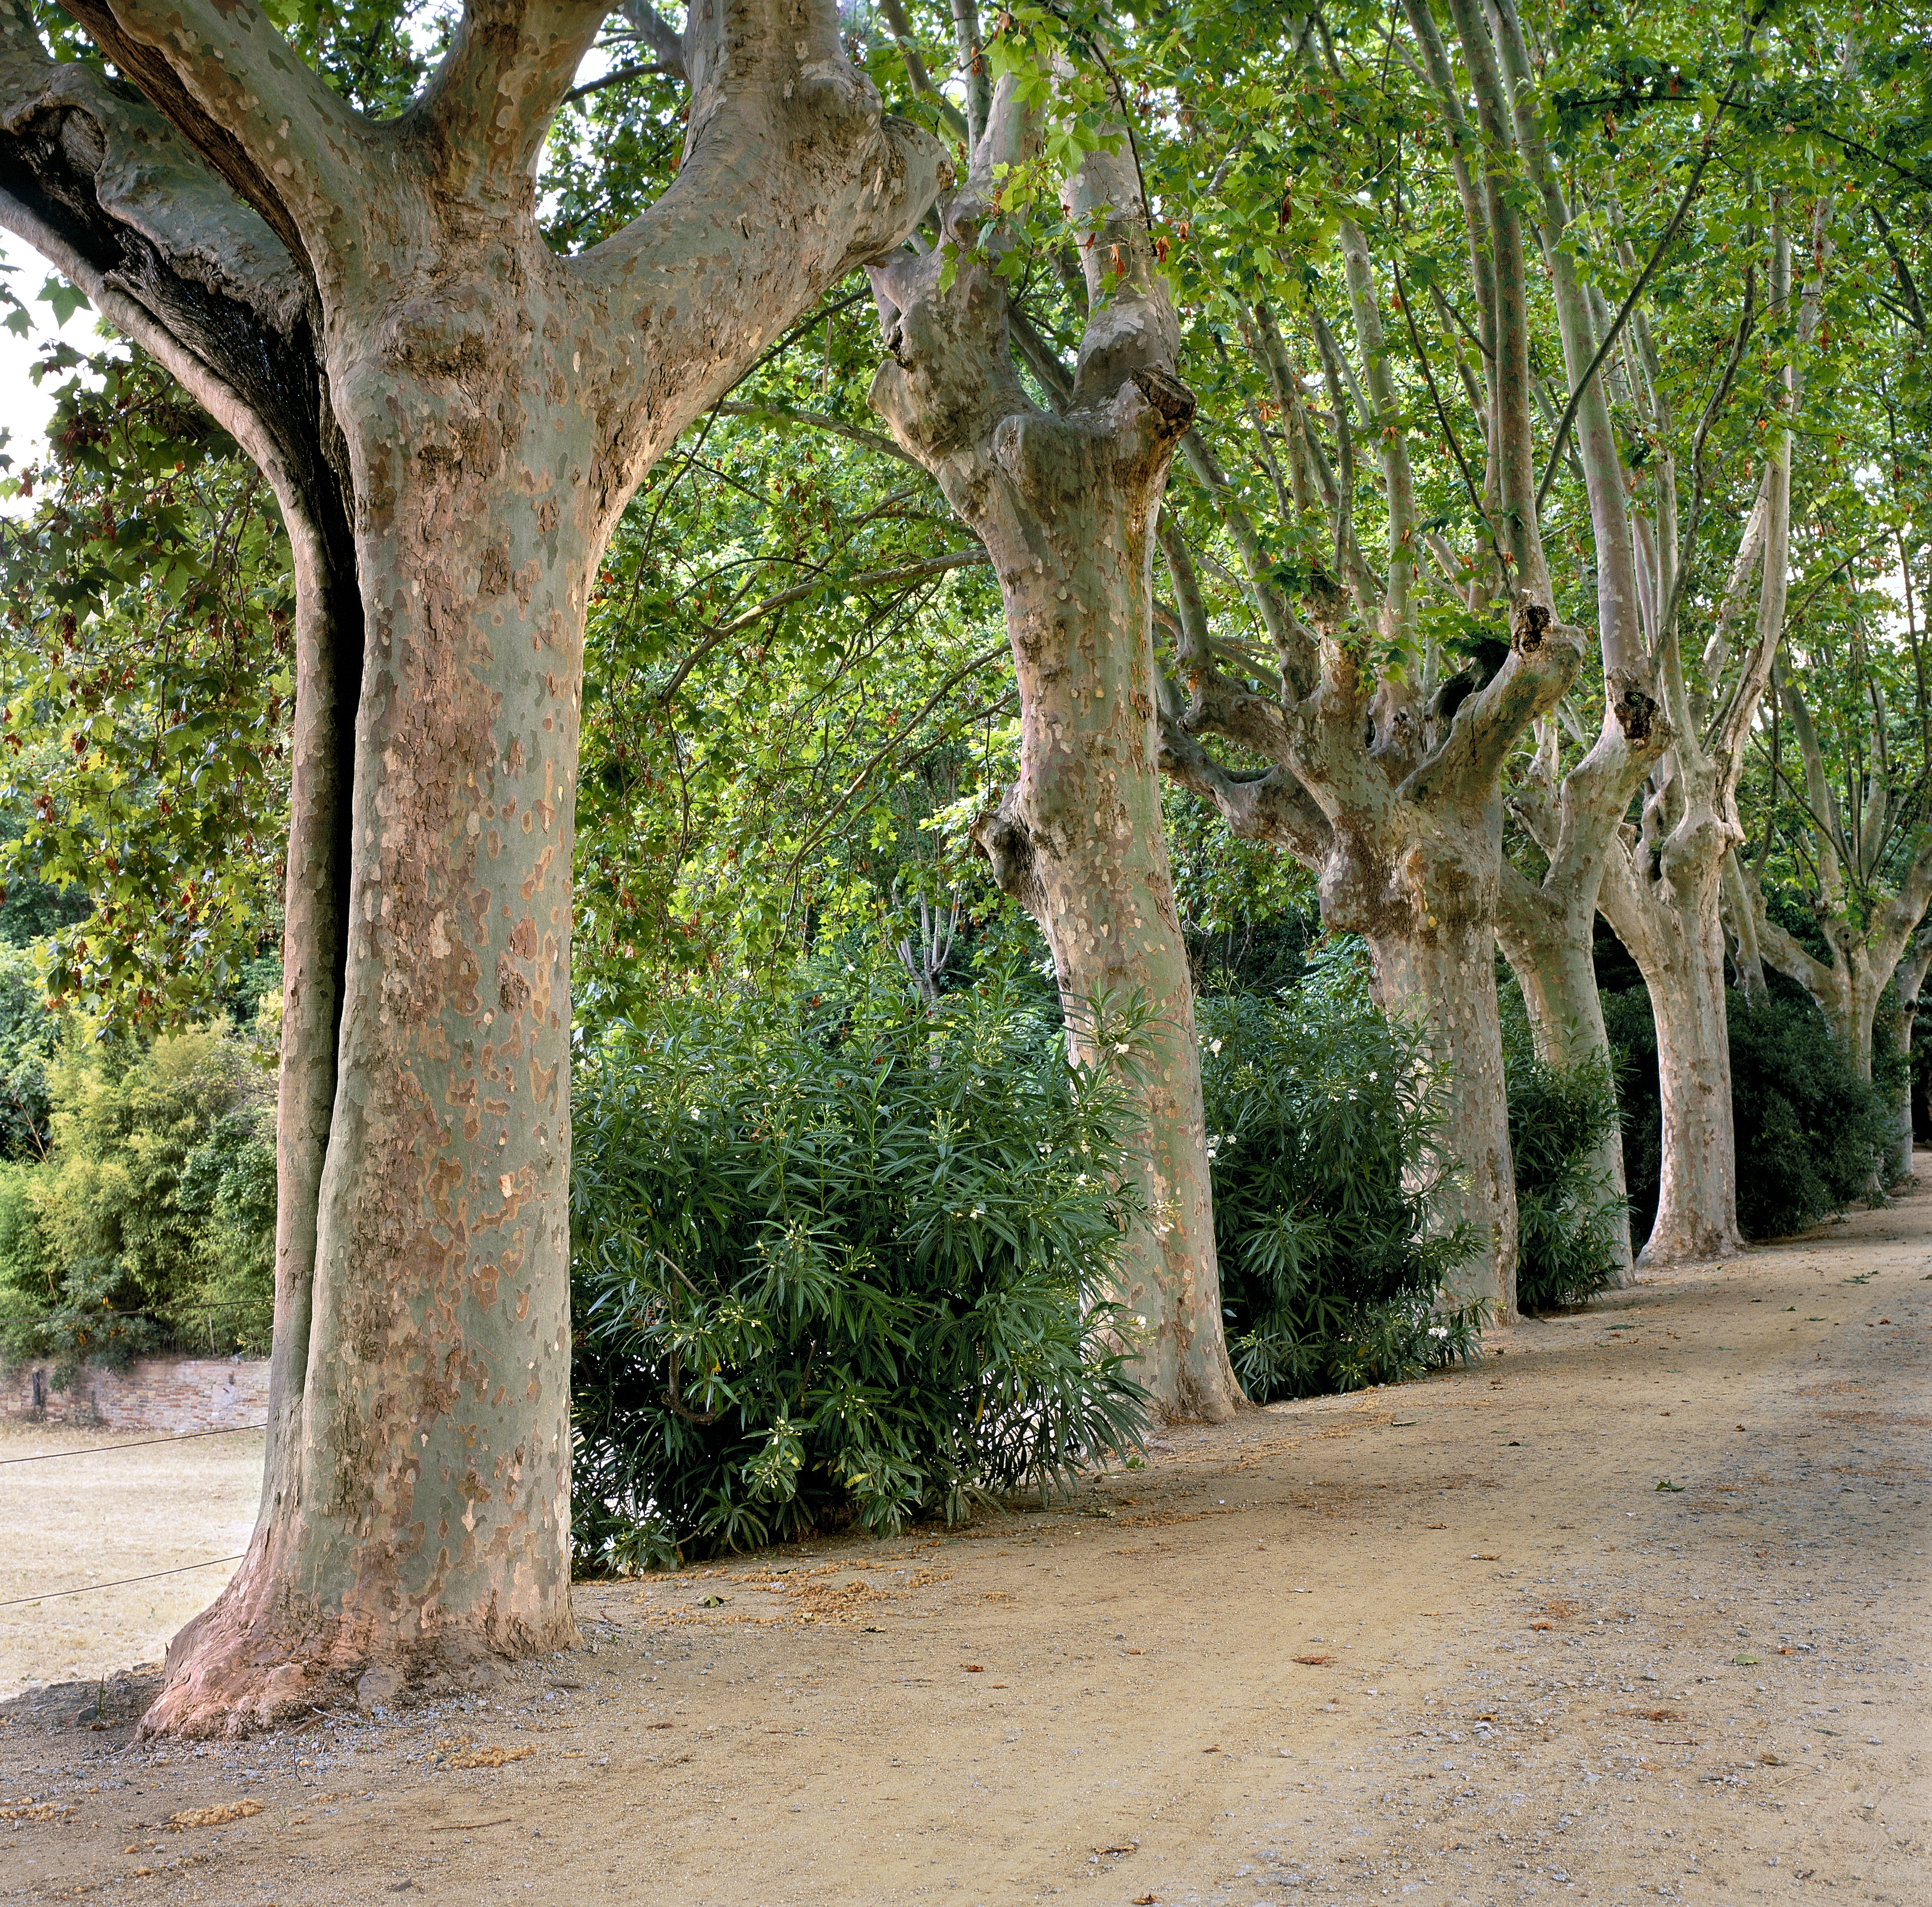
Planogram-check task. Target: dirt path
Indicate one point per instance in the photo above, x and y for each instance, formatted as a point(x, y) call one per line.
point(1448, 1642)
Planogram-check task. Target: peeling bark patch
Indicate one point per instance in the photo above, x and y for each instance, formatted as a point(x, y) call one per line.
point(513, 991)
point(1170, 398)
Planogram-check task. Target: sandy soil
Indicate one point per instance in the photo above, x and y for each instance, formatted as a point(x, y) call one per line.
point(1637, 1607)
point(103, 1517)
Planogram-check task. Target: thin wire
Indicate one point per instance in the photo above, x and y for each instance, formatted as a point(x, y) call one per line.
point(14, 1603)
point(141, 1444)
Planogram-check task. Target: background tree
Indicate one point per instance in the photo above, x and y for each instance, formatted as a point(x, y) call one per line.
point(1063, 497)
point(1392, 790)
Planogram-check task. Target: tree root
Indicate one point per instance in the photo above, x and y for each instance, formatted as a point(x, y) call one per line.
point(251, 1662)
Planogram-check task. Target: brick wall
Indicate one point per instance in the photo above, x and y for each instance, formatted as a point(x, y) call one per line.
point(171, 1394)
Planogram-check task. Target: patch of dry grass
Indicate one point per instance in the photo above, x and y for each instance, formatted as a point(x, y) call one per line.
point(103, 1516)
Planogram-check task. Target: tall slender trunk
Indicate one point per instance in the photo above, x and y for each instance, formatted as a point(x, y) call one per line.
point(315, 906)
point(1446, 976)
point(1065, 504)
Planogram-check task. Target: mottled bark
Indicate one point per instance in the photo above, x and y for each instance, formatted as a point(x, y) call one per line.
point(1448, 980)
point(481, 410)
point(1065, 504)
point(1910, 975)
point(1668, 922)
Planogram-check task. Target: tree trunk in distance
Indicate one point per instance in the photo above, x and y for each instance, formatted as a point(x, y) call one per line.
point(1552, 954)
point(1910, 976)
point(1677, 940)
point(1446, 978)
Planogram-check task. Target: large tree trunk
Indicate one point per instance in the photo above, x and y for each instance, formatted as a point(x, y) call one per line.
point(1065, 503)
point(1445, 977)
point(1697, 1203)
point(1673, 932)
point(1551, 951)
point(1078, 842)
point(484, 409)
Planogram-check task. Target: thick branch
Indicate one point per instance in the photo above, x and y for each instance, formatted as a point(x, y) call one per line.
point(1131, 325)
point(489, 104)
point(1543, 660)
point(657, 33)
point(255, 111)
point(1619, 626)
point(1398, 607)
point(1737, 584)
point(1272, 807)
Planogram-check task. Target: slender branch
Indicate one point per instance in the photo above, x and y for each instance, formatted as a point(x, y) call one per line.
point(1666, 628)
point(894, 15)
point(872, 579)
point(1442, 414)
point(873, 440)
point(657, 33)
point(1916, 315)
point(1649, 272)
point(885, 753)
point(618, 77)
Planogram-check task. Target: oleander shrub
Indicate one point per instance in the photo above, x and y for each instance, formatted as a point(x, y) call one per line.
point(1813, 1136)
point(831, 1265)
point(1325, 1127)
point(1558, 1115)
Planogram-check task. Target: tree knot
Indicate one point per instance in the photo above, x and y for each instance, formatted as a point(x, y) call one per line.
point(1001, 837)
point(1168, 396)
point(1636, 709)
point(1533, 622)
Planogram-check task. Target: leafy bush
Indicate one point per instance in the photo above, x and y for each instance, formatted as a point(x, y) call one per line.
point(29, 1037)
point(1323, 1128)
point(1566, 1247)
point(826, 1268)
point(154, 1217)
point(1811, 1135)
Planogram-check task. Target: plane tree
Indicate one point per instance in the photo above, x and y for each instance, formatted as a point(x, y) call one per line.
point(453, 414)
